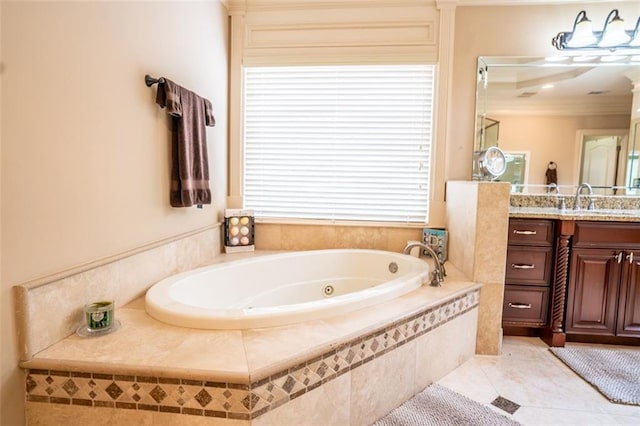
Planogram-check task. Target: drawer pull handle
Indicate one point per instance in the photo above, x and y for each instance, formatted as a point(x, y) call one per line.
point(519, 232)
point(520, 305)
point(522, 266)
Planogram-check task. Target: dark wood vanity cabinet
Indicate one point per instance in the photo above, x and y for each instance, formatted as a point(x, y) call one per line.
point(603, 297)
point(593, 292)
point(528, 275)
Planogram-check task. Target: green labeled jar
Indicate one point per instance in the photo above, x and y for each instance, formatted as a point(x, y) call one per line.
point(99, 315)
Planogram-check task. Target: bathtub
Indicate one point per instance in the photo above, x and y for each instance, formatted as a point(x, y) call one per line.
point(285, 288)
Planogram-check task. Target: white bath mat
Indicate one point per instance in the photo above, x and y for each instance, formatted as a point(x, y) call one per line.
point(614, 372)
point(439, 406)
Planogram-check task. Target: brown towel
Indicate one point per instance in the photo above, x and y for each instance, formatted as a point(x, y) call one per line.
point(190, 164)
point(552, 173)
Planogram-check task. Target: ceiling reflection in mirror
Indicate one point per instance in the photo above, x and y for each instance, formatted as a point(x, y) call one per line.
point(546, 106)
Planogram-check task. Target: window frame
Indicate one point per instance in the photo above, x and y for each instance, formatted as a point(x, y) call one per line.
point(405, 218)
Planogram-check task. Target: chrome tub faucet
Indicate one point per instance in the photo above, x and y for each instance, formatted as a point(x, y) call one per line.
point(438, 273)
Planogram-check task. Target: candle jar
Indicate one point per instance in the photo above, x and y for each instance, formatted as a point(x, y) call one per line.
point(99, 316)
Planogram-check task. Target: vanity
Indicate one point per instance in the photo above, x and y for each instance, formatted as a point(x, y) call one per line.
point(573, 275)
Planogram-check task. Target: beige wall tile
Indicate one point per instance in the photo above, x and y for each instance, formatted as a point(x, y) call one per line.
point(398, 237)
point(142, 270)
point(442, 350)
point(166, 419)
point(382, 384)
point(327, 405)
point(308, 237)
point(364, 237)
point(41, 414)
point(461, 223)
point(492, 230)
point(313, 237)
point(489, 340)
point(268, 236)
point(197, 249)
point(478, 222)
point(61, 304)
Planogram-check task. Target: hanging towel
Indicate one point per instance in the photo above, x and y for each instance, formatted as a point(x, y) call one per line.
point(190, 114)
point(552, 173)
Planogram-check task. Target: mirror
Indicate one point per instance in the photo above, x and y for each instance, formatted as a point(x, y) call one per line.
point(551, 109)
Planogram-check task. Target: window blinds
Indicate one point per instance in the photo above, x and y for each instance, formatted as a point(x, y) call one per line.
point(338, 142)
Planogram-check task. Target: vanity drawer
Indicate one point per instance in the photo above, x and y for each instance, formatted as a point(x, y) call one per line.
point(530, 232)
point(607, 234)
point(529, 265)
point(525, 305)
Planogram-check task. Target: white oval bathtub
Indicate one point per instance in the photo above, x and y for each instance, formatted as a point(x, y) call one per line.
point(284, 288)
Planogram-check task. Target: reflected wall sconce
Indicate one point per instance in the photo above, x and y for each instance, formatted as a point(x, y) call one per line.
point(613, 36)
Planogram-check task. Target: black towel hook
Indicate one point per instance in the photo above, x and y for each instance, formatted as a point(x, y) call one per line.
point(150, 81)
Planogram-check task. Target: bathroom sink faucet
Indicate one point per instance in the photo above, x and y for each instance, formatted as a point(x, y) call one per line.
point(552, 187)
point(576, 205)
point(438, 273)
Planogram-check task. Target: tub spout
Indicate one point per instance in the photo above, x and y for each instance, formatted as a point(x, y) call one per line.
point(438, 273)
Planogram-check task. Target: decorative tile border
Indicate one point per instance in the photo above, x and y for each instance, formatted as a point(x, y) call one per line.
point(236, 401)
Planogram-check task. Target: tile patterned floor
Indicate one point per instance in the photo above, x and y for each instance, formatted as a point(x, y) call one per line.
point(530, 382)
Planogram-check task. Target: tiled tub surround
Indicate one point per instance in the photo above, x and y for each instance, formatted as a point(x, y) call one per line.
point(365, 362)
point(59, 298)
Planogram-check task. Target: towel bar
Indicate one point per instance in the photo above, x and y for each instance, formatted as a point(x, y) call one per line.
point(150, 81)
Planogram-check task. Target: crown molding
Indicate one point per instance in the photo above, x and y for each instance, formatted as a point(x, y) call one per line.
point(462, 3)
point(263, 5)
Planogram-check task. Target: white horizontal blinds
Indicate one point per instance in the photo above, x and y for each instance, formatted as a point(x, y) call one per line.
point(338, 142)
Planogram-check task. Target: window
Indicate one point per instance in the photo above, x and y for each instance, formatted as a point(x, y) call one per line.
point(338, 142)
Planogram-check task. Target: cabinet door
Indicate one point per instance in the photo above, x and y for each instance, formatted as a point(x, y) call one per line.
point(629, 305)
point(593, 291)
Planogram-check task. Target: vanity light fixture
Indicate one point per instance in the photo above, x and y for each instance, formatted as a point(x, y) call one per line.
point(613, 35)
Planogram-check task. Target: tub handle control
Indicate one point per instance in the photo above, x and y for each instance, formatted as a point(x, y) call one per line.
point(520, 305)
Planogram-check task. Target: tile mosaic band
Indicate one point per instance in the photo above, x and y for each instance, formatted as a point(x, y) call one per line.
point(236, 401)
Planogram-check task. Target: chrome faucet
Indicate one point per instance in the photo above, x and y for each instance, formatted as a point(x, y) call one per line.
point(576, 204)
point(438, 273)
point(551, 187)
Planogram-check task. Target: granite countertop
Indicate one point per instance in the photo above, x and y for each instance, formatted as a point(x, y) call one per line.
point(604, 215)
point(545, 206)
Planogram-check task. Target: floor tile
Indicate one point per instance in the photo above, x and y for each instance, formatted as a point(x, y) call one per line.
point(544, 390)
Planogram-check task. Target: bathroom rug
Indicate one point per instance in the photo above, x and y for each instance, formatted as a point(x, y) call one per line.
point(613, 372)
point(440, 406)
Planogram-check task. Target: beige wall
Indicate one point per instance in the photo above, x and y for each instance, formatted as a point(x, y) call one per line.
point(85, 149)
point(552, 138)
point(85, 164)
point(505, 31)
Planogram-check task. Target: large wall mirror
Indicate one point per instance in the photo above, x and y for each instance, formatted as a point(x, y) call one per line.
point(562, 120)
